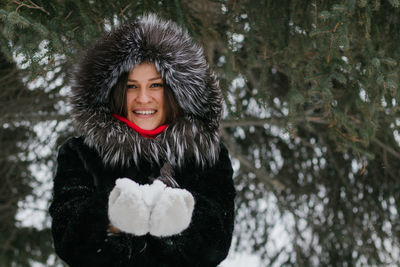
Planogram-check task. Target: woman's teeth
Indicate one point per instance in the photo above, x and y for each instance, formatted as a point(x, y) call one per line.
point(145, 112)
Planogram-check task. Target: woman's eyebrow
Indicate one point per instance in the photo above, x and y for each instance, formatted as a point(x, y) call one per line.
point(152, 79)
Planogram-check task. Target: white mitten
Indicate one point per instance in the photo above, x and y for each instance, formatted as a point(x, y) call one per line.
point(172, 212)
point(127, 210)
point(152, 192)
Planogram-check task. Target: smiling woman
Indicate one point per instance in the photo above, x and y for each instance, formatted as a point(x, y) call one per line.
point(143, 98)
point(148, 182)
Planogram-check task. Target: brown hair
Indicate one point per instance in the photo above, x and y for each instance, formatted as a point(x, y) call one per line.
point(118, 100)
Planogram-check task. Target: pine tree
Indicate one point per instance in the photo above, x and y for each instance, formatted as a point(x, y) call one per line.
point(20, 245)
point(311, 90)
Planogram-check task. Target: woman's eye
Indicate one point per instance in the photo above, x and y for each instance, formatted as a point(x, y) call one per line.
point(131, 86)
point(154, 85)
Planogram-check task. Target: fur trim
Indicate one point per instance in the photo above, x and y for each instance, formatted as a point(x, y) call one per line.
point(182, 66)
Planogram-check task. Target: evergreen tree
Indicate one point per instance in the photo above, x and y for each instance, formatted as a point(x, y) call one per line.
point(312, 118)
point(19, 245)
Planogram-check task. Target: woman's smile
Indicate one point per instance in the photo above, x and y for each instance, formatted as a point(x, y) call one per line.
point(144, 112)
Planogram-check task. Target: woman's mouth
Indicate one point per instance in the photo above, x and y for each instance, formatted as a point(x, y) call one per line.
point(144, 114)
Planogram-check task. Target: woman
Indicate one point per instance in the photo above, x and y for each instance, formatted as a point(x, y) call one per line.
point(148, 182)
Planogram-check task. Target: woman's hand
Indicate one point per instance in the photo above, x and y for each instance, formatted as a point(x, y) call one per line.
point(127, 210)
point(156, 208)
point(114, 230)
point(151, 193)
point(172, 212)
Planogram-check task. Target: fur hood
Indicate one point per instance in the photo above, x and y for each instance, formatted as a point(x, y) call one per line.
point(181, 63)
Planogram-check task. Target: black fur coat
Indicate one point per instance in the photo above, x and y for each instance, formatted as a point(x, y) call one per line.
point(108, 149)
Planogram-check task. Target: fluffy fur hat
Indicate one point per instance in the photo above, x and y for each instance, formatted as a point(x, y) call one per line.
point(182, 66)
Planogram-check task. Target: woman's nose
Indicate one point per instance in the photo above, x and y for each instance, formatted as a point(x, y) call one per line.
point(143, 96)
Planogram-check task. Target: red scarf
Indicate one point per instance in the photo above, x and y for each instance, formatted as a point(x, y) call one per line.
point(145, 133)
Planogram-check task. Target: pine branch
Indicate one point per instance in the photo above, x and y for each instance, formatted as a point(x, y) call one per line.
point(260, 174)
point(31, 6)
point(275, 121)
point(387, 148)
point(331, 42)
point(34, 118)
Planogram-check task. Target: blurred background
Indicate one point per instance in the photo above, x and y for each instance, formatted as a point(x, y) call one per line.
point(311, 121)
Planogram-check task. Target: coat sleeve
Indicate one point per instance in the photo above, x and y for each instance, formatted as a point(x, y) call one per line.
point(207, 240)
point(80, 221)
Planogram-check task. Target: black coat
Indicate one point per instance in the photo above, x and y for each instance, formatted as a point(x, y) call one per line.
point(108, 149)
point(79, 211)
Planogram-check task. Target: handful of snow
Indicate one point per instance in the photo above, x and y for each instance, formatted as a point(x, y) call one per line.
point(155, 209)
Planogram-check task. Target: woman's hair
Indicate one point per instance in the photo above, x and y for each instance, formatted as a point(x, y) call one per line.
point(118, 100)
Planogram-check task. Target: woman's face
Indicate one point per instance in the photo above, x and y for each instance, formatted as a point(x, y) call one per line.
point(145, 97)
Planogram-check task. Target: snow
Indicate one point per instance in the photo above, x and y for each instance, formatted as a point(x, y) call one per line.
point(240, 259)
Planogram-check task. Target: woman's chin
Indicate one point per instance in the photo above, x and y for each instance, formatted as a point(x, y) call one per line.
point(144, 123)
point(148, 128)
point(147, 125)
